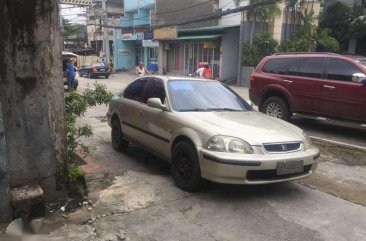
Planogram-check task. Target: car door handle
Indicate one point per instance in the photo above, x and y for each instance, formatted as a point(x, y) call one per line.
point(328, 86)
point(287, 81)
point(140, 113)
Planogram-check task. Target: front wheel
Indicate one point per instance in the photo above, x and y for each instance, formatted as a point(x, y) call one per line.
point(90, 75)
point(185, 167)
point(276, 107)
point(118, 143)
point(106, 76)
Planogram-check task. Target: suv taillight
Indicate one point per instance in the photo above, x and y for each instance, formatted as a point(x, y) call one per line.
point(252, 78)
point(94, 69)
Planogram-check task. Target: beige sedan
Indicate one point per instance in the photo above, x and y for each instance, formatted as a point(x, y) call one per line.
point(206, 131)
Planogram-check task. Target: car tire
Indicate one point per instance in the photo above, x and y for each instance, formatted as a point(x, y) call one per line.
point(276, 107)
point(118, 143)
point(107, 76)
point(185, 167)
point(80, 75)
point(90, 76)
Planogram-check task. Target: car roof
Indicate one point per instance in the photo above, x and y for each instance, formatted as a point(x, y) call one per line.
point(315, 54)
point(167, 78)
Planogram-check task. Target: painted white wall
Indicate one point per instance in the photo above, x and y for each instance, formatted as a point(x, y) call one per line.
point(231, 19)
point(229, 53)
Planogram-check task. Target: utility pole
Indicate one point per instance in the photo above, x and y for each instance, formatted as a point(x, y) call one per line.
point(104, 17)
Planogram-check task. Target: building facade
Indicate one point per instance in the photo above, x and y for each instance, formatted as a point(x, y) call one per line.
point(133, 40)
point(100, 20)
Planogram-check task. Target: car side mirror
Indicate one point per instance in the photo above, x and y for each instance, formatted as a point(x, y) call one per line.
point(155, 103)
point(359, 78)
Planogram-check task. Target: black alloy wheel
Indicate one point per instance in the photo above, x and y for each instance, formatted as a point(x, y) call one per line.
point(118, 143)
point(185, 167)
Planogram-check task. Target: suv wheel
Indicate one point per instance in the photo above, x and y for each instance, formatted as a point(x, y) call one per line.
point(276, 107)
point(118, 143)
point(185, 168)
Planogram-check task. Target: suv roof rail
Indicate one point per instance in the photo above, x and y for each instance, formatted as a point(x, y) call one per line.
point(285, 53)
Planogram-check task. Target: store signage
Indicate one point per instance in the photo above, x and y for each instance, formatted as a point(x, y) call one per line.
point(165, 33)
point(140, 36)
point(128, 36)
point(77, 2)
point(123, 52)
point(149, 34)
point(150, 43)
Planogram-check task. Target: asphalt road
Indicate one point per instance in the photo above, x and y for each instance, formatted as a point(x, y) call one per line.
point(317, 129)
point(144, 202)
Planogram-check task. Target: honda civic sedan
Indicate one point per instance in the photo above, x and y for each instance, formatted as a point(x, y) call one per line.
point(206, 131)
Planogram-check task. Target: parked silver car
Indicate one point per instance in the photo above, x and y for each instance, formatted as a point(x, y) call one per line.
point(207, 131)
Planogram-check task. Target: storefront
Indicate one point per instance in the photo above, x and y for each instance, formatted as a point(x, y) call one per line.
point(183, 58)
point(131, 48)
point(217, 45)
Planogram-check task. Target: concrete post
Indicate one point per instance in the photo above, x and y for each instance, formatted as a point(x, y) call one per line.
point(241, 40)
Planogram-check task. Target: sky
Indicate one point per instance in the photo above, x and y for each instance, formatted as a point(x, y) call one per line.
point(71, 12)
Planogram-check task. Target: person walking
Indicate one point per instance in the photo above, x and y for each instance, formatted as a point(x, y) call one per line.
point(70, 74)
point(141, 70)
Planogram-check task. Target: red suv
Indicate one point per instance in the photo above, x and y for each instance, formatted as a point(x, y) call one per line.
point(320, 84)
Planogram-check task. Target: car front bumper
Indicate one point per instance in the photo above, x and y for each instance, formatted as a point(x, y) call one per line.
point(253, 169)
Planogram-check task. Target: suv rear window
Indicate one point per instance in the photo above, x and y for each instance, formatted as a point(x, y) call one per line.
point(307, 67)
point(276, 66)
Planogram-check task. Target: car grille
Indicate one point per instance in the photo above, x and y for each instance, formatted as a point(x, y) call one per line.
point(268, 175)
point(282, 147)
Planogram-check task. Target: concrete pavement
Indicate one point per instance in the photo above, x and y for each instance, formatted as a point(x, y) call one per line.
point(144, 204)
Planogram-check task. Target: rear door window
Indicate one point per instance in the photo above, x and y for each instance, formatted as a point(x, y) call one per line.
point(341, 70)
point(307, 67)
point(135, 89)
point(276, 66)
point(154, 89)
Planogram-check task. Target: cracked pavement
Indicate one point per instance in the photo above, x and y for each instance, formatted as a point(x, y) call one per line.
point(144, 204)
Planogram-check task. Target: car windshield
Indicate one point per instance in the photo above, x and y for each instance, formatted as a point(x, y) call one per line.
point(202, 95)
point(362, 62)
point(98, 64)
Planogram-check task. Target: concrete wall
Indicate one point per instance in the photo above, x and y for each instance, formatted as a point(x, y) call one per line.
point(169, 14)
point(231, 19)
point(4, 181)
point(124, 61)
point(230, 56)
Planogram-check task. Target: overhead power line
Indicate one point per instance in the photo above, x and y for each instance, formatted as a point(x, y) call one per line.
point(206, 17)
point(219, 14)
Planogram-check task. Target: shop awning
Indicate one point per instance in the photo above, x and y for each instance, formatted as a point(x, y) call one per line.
point(198, 37)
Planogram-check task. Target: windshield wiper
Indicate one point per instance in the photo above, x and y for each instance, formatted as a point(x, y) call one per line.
point(194, 109)
point(224, 109)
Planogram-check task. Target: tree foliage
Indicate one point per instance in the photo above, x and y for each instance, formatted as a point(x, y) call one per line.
point(73, 31)
point(262, 46)
point(344, 23)
point(76, 105)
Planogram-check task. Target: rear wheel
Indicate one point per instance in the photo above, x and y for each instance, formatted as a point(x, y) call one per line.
point(276, 107)
point(90, 76)
point(118, 143)
point(185, 167)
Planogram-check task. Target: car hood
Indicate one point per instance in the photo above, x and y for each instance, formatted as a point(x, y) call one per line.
point(253, 127)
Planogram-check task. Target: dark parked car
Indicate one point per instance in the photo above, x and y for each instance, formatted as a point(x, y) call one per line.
point(319, 84)
point(95, 69)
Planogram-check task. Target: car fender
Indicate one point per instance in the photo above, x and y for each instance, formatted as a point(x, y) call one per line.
point(277, 89)
point(198, 139)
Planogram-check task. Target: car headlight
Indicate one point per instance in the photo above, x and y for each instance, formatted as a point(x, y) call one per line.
point(229, 144)
point(307, 141)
